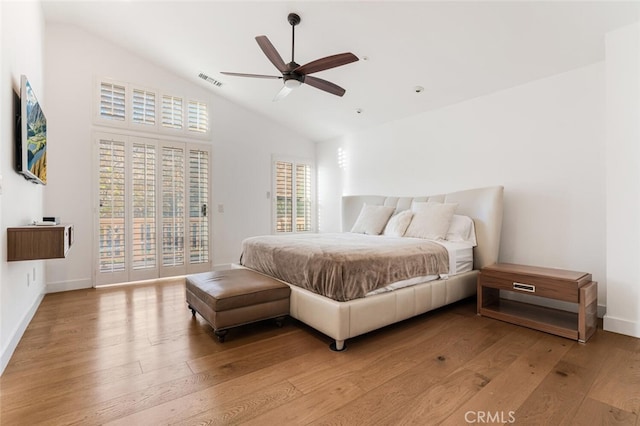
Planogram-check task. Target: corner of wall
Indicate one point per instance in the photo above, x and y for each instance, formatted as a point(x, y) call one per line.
point(12, 344)
point(622, 50)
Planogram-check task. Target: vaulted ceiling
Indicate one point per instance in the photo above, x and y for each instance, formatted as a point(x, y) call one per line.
point(454, 50)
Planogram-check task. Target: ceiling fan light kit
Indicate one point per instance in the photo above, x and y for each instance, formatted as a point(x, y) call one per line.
point(292, 83)
point(293, 74)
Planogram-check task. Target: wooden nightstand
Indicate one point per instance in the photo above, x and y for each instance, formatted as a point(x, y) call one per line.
point(555, 284)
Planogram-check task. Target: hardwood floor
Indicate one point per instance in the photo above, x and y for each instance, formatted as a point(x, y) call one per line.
point(136, 356)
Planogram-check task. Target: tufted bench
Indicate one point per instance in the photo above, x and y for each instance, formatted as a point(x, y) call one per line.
point(235, 297)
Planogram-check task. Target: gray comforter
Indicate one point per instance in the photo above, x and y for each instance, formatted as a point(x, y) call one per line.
point(343, 266)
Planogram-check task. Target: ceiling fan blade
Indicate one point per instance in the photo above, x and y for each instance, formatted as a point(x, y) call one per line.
point(326, 63)
point(271, 53)
point(237, 74)
point(282, 93)
point(325, 85)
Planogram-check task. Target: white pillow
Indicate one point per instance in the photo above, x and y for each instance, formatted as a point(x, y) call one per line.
point(461, 229)
point(398, 224)
point(372, 219)
point(430, 220)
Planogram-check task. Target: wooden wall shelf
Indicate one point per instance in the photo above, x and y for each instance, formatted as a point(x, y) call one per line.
point(39, 242)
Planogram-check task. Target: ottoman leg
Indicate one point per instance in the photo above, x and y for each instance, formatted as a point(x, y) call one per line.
point(221, 334)
point(280, 321)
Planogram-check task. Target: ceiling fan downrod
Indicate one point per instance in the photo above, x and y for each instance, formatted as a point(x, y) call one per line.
point(294, 19)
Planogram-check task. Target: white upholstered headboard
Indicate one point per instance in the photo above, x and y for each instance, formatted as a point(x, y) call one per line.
point(483, 205)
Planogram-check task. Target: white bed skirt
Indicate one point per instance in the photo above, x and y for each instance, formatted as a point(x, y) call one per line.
point(344, 320)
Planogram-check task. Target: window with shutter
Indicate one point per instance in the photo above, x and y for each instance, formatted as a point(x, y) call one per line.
point(121, 104)
point(112, 248)
point(173, 207)
point(144, 107)
point(284, 192)
point(198, 206)
point(112, 101)
point(303, 198)
point(198, 117)
point(293, 196)
point(172, 111)
point(143, 176)
point(145, 227)
point(153, 216)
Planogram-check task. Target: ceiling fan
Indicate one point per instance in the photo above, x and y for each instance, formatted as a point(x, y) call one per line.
point(294, 74)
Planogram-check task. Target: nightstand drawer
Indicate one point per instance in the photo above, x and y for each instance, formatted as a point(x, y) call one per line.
point(545, 282)
point(534, 287)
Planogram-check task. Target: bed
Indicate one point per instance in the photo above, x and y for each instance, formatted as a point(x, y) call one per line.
point(329, 296)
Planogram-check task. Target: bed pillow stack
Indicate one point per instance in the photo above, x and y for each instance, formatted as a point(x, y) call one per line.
point(427, 220)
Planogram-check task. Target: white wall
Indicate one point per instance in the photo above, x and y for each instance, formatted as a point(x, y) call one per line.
point(242, 142)
point(20, 201)
point(623, 180)
point(544, 141)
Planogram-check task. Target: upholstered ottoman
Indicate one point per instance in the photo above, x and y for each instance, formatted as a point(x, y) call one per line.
point(235, 297)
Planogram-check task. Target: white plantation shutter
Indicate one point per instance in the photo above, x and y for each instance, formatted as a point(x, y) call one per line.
point(293, 196)
point(112, 206)
point(303, 198)
point(198, 206)
point(153, 218)
point(284, 192)
point(198, 117)
point(173, 206)
point(172, 112)
point(143, 177)
point(143, 107)
point(112, 101)
point(127, 105)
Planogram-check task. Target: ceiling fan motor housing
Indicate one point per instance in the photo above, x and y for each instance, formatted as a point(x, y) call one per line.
point(291, 74)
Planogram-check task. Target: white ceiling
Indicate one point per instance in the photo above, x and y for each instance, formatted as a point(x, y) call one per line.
point(455, 50)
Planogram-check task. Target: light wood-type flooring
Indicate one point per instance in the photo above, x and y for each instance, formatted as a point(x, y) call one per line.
point(134, 355)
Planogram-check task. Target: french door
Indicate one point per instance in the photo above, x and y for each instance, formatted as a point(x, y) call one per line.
point(152, 209)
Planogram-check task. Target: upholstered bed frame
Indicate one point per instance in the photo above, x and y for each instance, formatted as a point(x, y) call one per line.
point(344, 320)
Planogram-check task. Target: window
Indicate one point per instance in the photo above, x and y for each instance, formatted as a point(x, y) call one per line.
point(198, 205)
point(153, 208)
point(144, 107)
point(198, 117)
point(127, 105)
point(293, 195)
point(112, 206)
point(171, 112)
point(153, 195)
point(112, 101)
point(143, 176)
point(173, 220)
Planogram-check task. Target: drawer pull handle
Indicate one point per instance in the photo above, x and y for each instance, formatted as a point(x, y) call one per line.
point(524, 287)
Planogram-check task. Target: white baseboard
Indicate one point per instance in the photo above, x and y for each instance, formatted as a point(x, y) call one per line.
point(68, 285)
point(7, 352)
point(621, 326)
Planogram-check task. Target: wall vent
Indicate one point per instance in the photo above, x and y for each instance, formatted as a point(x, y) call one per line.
point(210, 80)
